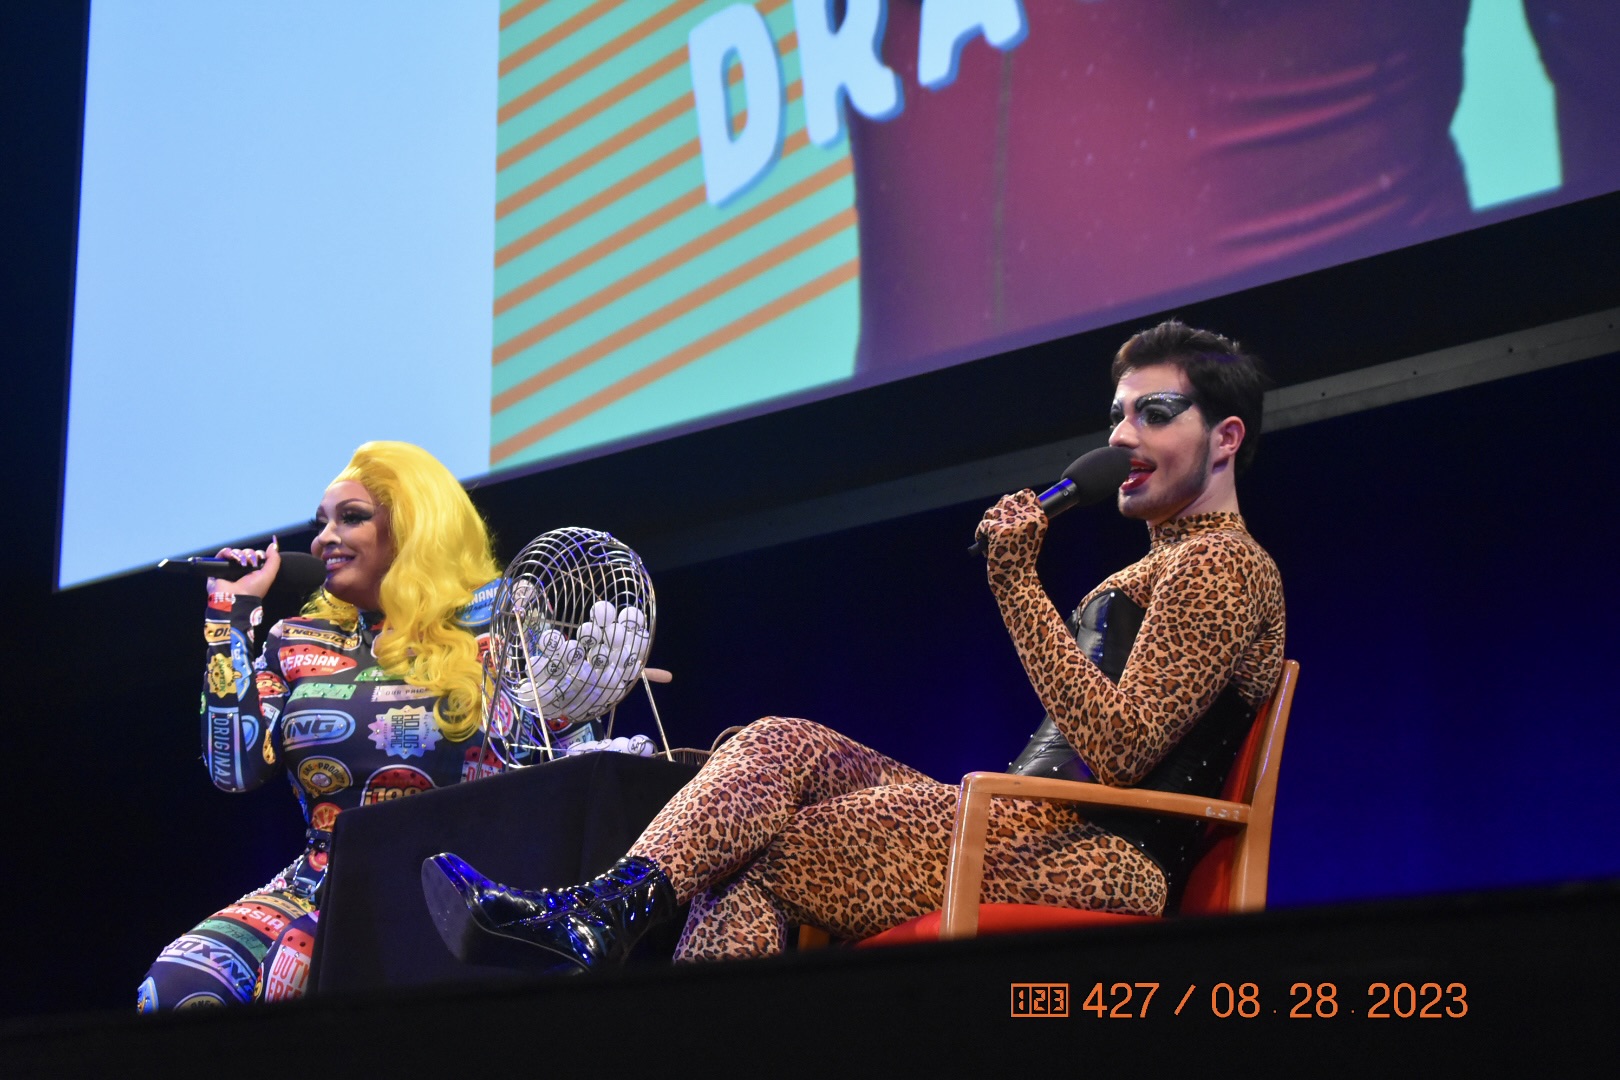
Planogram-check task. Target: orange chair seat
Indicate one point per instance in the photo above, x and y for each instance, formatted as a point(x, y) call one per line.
point(1004, 919)
point(1229, 875)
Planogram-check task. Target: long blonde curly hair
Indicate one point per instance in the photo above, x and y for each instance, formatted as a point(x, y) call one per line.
point(442, 553)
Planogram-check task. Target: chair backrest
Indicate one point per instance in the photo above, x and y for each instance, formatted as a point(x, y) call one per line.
point(1230, 875)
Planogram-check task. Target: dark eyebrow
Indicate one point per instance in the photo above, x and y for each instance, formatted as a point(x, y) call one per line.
point(341, 505)
point(1169, 397)
point(1150, 396)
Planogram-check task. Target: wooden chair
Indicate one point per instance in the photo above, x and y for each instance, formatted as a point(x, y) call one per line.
point(1229, 875)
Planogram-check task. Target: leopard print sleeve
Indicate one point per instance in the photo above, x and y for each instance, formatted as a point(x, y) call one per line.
point(1207, 604)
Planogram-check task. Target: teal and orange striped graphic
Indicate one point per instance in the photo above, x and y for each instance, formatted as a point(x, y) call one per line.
point(624, 302)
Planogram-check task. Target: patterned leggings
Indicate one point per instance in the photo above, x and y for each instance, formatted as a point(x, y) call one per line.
point(791, 822)
point(257, 949)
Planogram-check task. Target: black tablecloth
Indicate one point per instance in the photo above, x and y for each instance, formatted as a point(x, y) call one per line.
point(548, 825)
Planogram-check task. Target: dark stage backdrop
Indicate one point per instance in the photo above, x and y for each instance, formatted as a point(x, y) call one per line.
point(1447, 567)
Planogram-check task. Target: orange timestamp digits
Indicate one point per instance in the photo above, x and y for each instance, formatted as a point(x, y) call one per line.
point(1117, 1004)
point(1425, 1001)
point(1246, 1000)
point(1408, 1000)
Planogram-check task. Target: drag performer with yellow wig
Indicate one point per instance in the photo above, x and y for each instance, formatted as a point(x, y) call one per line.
point(372, 693)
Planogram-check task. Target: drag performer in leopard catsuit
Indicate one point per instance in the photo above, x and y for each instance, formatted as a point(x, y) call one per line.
point(790, 822)
point(350, 717)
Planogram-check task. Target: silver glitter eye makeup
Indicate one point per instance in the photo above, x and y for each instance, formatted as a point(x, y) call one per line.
point(1162, 407)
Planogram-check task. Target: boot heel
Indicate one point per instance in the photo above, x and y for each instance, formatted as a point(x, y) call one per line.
point(451, 916)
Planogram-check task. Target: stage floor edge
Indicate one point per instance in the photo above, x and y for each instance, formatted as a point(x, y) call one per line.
point(1488, 979)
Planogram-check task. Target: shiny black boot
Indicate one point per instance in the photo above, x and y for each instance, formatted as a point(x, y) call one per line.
point(581, 928)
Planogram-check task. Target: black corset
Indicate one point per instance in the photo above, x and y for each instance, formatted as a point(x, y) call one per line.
point(1106, 630)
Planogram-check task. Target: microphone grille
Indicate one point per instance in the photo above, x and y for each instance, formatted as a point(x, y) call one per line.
point(1097, 474)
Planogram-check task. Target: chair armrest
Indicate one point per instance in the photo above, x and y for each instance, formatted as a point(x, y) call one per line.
point(965, 872)
point(1145, 799)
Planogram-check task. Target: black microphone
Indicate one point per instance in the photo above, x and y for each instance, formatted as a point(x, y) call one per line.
point(300, 572)
point(1090, 479)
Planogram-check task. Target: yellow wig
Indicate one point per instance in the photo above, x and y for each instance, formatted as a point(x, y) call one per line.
point(442, 552)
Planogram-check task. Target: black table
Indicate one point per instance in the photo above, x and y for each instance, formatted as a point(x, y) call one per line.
point(547, 825)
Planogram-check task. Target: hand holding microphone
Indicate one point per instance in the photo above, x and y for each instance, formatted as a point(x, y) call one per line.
point(262, 569)
point(1012, 529)
point(1090, 479)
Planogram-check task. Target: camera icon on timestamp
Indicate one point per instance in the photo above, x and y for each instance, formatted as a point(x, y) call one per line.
point(1040, 999)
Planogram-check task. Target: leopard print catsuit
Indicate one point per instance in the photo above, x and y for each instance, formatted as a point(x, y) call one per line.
point(791, 822)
